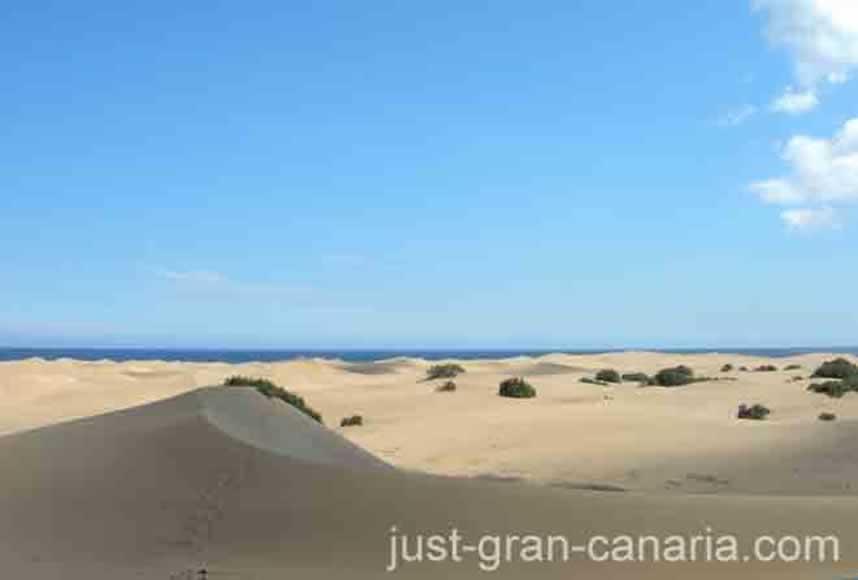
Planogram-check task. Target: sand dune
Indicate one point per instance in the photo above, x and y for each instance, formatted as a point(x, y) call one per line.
point(664, 440)
point(249, 488)
point(206, 480)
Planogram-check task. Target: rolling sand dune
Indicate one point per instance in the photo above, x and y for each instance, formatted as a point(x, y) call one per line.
point(249, 488)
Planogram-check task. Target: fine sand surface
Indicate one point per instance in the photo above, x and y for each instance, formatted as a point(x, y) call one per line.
point(249, 488)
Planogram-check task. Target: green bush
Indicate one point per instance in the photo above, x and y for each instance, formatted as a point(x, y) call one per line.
point(608, 376)
point(674, 377)
point(727, 368)
point(636, 377)
point(516, 388)
point(792, 367)
point(835, 389)
point(444, 371)
point(272, 391)
point(447, 387)
point(839, 368)
point(241, 381)
point(589, 381)
point(827, 416)
point(754, 412)
point(353, 421)
point(766, 369)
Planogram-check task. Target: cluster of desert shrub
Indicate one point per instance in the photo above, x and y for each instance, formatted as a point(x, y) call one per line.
point(681, 375)
point(608, 376)
point(272, 391)
point(839, 368)
point(826, 416)
point(673, 377)
point(835, 389)
point(352, 421)
point(669, 377)
point(444, 371)
point(516, 388)
point(842, 375)
point(755, 412)
point(766, 369)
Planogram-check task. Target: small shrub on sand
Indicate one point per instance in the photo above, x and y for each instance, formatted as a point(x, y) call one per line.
point(444, 371)
point(516, 388)
point(743, 369)
point(792, 367)
point(766, 369)
point(242, 381)
point(589, 381)
point(835, 389)
point(827, 416)
point(755, 412)
point(636, 377)
point(674, 377)
point(272, 391)
point(608, 376)
point(839, 368)
point(447, 387)
point(727, 368)
point(353, 421)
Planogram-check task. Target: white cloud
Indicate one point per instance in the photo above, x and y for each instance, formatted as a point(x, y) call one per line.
point(837, 78)
point(778, 191)
point(737, 116)
point(793, 102)
point(823, 172)
point(821, 36)
point(807, 219)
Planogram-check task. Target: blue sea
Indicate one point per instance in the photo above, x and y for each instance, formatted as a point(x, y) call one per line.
point(240, 356)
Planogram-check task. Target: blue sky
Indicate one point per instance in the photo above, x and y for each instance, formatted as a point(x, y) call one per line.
point(437, 174)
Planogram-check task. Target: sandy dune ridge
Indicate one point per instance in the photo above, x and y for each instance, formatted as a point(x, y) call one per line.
point(249, 488)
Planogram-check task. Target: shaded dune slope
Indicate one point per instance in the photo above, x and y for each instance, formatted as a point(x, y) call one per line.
point(251, 489)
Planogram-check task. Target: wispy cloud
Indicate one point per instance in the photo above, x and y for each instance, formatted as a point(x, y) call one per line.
point(794, 102)
point(193, 276)
point(737, 116)
point(821, 37)
point(809, 219)
point(212, 281)
point(823, 174)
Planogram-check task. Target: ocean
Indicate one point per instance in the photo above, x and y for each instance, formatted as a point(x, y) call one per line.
point(250, 355)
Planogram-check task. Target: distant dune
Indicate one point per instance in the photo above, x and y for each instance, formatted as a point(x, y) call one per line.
point(246, 487)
